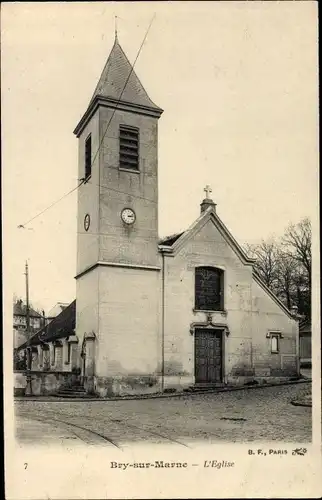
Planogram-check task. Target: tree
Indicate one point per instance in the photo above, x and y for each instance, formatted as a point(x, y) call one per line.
point(266, 254)
point(297, 243)
point(285, 265)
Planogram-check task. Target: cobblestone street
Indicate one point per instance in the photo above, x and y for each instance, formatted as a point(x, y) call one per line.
point(264, 414)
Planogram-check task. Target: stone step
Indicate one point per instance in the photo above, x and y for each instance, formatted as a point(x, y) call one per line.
point(72, 392)
point(203, 388)
point(73, 395)
point(72, 389)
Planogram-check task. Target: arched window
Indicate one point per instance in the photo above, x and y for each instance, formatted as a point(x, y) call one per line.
point(209, 289)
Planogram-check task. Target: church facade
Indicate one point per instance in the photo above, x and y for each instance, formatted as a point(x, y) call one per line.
point(154, 314)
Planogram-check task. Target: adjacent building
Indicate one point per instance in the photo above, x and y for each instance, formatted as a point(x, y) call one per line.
point(305, 332)
point(20, 322)
point(56, 310)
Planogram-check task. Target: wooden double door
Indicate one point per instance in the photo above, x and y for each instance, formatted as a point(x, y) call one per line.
point(208, 356)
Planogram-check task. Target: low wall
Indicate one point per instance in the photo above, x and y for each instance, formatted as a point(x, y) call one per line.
point(122, 386)
point(19, 383)
point(42, 382)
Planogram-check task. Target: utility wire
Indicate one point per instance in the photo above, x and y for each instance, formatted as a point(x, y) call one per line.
point(50, 206)
point(82, 181)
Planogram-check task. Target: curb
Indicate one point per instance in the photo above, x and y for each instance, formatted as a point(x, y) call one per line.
point(56, 399)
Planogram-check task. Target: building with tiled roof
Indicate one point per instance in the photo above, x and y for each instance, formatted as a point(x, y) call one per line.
point(20, 322)
point(19, 309)
point(52, 344)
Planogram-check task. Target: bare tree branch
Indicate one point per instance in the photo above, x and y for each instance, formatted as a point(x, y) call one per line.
point(285, 265)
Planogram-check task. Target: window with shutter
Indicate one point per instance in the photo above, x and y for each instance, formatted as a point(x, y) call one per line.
point(129, 148)
point(209, 288)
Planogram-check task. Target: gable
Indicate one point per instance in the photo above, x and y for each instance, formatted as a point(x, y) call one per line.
point(215, 232)
point(209, 242)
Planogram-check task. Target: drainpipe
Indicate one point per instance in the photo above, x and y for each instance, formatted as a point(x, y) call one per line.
point(162, 321)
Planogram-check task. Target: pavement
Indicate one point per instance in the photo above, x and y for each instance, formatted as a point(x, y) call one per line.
point(264, 414)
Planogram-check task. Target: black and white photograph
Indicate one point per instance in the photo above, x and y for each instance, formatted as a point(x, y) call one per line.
point(161, 249)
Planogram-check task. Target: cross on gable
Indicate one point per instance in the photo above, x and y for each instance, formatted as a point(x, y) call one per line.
point(207, 190)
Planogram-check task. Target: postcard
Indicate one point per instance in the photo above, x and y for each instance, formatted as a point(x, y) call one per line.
point(161, 250)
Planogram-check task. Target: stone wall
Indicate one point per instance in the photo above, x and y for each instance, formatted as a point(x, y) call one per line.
point(43, 383)
point(127, 348)
point(268, 318)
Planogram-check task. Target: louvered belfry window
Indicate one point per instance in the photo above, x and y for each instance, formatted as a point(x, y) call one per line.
point(129, 148)
point(209, 289)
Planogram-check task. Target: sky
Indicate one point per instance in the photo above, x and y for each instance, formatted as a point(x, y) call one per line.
point(238, 85)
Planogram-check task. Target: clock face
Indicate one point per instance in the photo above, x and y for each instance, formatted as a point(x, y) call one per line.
point(87, 222)
point(128, 216)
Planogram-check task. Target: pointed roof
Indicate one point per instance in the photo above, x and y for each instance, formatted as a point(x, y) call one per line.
point(119, 87)
point(119, 80)
point(20, 309)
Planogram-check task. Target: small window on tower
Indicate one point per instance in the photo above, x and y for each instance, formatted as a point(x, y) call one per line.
point(129, 148)
point(88, 157)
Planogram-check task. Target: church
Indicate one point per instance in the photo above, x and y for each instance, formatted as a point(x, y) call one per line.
point(154, 315)
point(157, 314)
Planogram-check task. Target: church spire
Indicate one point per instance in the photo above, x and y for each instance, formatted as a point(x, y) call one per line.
point(119, 86)
point(115, 28)
point(119, 81)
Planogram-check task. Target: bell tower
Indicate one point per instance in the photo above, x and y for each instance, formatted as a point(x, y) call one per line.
point(118, 266)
